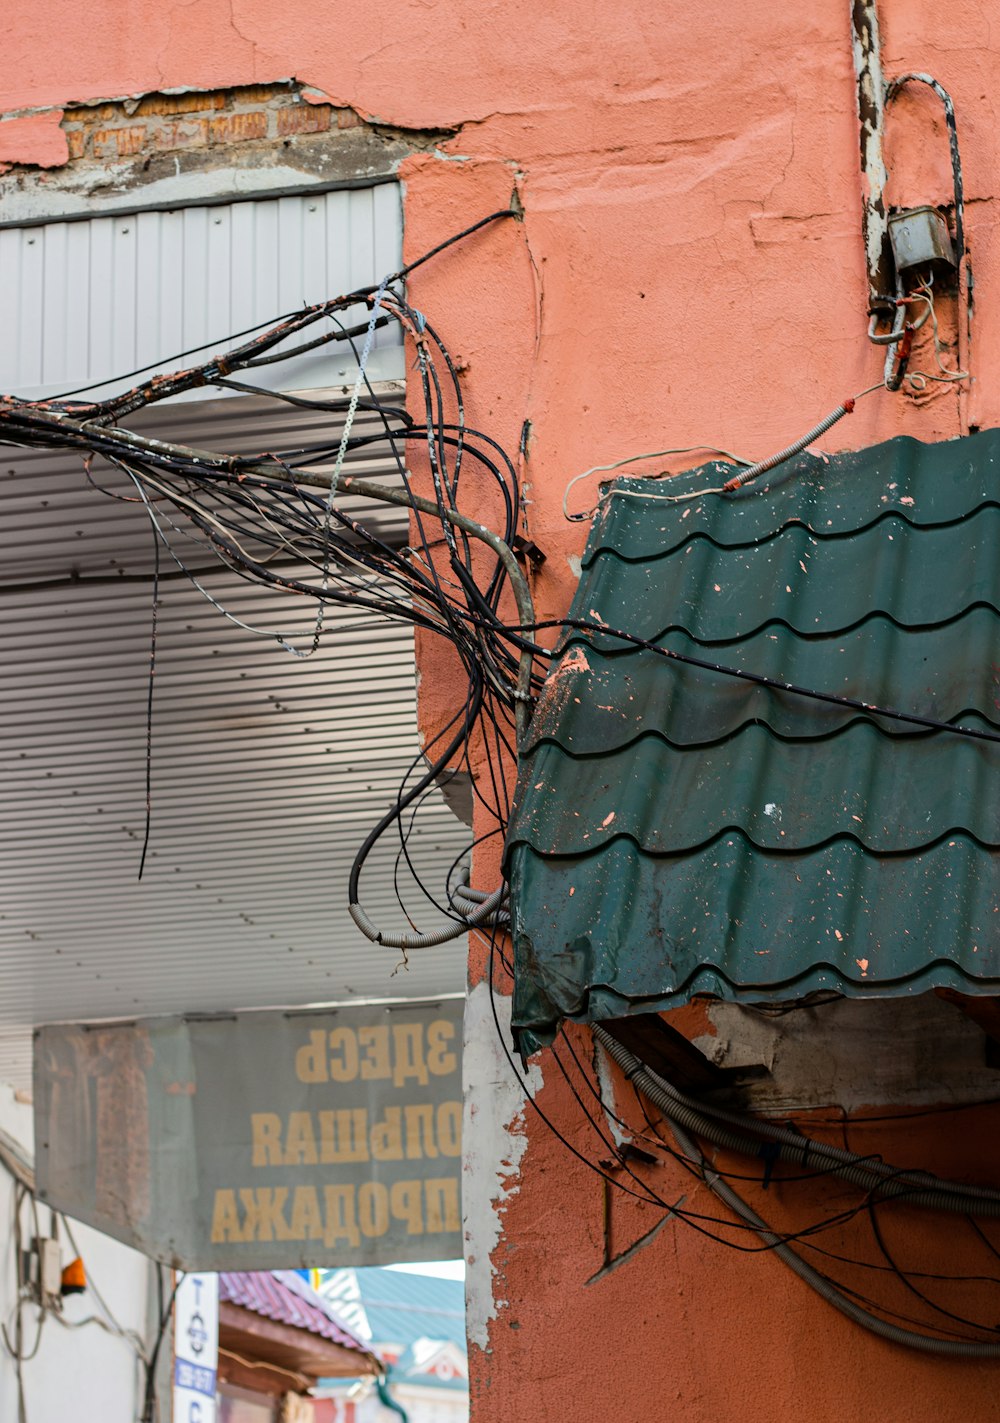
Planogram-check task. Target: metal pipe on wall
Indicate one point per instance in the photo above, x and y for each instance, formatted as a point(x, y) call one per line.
point(871, 118)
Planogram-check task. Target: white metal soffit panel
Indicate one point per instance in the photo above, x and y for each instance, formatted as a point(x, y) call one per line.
point(84, 300)
point(267, 770)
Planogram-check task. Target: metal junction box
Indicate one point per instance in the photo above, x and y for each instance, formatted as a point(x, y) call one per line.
point(920, 238)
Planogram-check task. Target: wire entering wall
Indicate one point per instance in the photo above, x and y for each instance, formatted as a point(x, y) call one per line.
point(690, 1118)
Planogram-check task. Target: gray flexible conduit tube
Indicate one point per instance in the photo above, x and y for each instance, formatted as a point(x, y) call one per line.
point(772, 461)
point(466, 901)
point(867, 1173)
point(893, 1333)
point(653, 1087)
point(427, 941)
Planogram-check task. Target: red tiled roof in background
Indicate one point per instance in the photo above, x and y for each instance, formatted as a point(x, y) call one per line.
point(284, 1297)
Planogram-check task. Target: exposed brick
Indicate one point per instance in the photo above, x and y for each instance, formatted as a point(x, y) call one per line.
point(130, 140)
point(303, 118)
point(237, 128)
point(260, 93)
point(185, 133)
point(125, 129)
point(91, 114)
point(180, 103)
point(105, 142)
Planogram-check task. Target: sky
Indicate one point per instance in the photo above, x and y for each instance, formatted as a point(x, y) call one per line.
point(443, 1269)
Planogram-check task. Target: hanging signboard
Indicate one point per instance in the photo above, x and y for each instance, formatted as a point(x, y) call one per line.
point(196, 1348)
point(259, 1141)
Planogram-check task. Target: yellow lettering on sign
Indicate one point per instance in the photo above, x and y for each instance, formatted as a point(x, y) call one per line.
point(264, 1217)
point(300, 1141)
point(373, 1208)
point(442, 1205)
point(387, 1136)
point(440, 1061)
point(265, 1129)
point(341, 1216)
point(343, 1055)
point(419, 1132)
point(310, 1060)
point(375, 1065)
point(307, 1218)
point(343, 1135)
point(405, 1205)
point(409, 1055)
point(449, 1128)
point(225, 1217)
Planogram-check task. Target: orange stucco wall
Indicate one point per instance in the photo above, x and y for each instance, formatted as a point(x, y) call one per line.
point(689, 270)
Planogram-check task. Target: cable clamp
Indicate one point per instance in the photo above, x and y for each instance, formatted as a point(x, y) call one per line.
point(769, 1152)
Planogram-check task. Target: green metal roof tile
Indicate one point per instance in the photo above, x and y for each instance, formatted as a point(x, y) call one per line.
point(629, 690)
point(680, 831)
point(810, 584)
point(620, 931)
point(891, 794)
point(825, 496)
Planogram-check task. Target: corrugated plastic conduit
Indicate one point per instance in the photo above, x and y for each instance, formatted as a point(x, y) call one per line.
point(729, 1130)
point(772, 462)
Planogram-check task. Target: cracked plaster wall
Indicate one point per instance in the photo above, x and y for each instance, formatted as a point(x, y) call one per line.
point(689, 270)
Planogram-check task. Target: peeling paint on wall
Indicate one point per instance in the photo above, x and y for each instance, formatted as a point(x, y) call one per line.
point(494, 1141)
point(33, 138)
point(196, 145)
point(853, 1053)
point(606, 1088)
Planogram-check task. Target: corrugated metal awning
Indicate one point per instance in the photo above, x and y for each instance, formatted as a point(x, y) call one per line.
point(268, 770)
point(81, 301)
point(682, 832)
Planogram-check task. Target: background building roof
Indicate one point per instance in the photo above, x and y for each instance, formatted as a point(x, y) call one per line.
point(284, 1297)
point(414, 1322)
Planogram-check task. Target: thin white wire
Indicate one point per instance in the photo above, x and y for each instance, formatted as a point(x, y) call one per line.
point(633, 459)
point(917, 380)
point(693, 494)
point(111, 1324)
point(272, 636)
point(338, 463)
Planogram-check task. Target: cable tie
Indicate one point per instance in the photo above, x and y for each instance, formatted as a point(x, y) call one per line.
point(769, 1152)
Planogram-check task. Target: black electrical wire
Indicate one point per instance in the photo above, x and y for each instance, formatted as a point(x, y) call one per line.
point(906, 1280)
point(252, 510)
point(150, 684)
point(165, 1308)
point(870, 709)
point(698, 1221)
